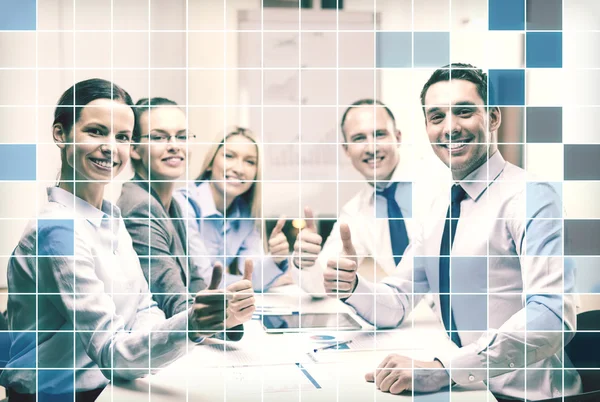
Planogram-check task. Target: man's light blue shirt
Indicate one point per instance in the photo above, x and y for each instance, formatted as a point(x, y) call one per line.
point(511, 287)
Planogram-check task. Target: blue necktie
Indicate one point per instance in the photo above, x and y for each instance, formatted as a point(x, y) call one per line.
point(398, 233)
point(452, 216)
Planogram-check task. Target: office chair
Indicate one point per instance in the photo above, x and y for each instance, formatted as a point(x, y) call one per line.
point(584, 352)
point(4, 342)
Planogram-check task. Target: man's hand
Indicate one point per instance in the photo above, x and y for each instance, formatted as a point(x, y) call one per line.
point(208, 311)
point(340, 274)
point(279, 248)
point(308, 243)
point(395, 375)
point(241, 304)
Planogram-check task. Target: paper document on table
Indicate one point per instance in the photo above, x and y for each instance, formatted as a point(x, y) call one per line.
point(376, 345)
point(230, 355)
point(270, 379)
point(353, 341)
point(376, 341)
point(227, 355)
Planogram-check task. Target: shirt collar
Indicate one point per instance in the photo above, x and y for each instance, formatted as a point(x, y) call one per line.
point(83, 208)
point(403, 189)
point(479, 179)
point(209, 208)
point(398, 176)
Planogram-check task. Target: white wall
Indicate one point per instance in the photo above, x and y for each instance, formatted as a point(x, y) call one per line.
point(211, 50)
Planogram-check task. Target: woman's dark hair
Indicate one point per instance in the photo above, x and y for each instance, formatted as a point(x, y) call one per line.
point(71, 103)
point(144, 105)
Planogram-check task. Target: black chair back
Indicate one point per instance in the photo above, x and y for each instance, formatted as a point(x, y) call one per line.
point(584, 350)
point(584, 353)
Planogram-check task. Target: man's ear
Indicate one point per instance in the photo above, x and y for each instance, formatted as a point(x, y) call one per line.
point(59, 135)
point(345, 148)
point(344, 143)
point(399, 136)
point(494, 119)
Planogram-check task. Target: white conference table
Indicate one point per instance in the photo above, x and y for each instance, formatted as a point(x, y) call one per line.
point(283, 367)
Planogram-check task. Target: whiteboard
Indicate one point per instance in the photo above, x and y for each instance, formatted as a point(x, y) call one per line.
point(313, 63)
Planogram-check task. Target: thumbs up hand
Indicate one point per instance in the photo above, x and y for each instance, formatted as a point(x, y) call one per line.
point(340, 274)
point(208, 311)
point(308, 243)
point(241, 298)
point(217, 276)
point(279, 247)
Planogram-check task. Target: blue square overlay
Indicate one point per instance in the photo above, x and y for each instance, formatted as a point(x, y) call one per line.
point(507, 87)
point(506, 15)
point(394, 49)
point(17, 15)
point(17, 162)
point(544, 50)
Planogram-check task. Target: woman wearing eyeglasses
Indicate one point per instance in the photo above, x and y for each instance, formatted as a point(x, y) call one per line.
point(224, 211)
point(79, 307)
point(155, 222)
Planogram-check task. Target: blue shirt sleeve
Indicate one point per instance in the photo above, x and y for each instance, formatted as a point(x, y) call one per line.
point(265, 271)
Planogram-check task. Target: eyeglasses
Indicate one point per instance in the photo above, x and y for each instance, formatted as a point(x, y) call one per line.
point(163, 138)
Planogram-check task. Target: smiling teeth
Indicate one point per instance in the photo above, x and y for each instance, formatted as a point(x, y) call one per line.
point(456, 145)
point(105, 164)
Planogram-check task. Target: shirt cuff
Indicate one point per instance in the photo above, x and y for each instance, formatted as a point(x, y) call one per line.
point(198, 339)
point(466, 365)
point(362, 297)
point(284, 265)
point(235, 334)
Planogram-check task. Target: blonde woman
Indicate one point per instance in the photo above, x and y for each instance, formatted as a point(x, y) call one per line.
point(223, 206)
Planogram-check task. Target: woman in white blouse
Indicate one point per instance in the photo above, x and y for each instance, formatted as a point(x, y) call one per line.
point(75, 282)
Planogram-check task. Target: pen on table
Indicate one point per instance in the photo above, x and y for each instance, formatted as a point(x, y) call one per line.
point(267, 312)
point(333, 345)
point(276, 310)
point(272, 308)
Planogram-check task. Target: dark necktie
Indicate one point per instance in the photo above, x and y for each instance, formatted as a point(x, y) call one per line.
point(398, 234)
point(452, 216)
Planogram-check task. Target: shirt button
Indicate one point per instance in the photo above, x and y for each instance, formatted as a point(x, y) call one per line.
point(512, 365)
point(471, 377)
